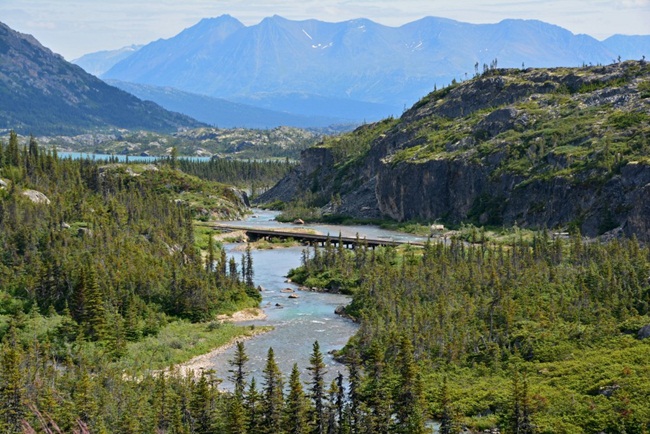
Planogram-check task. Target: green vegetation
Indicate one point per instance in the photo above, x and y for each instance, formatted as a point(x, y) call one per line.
point(240, 143)
point(102, 280)
point(557, 134)
point(180, 341)
point(349, 147)
point(562, 314)
point(255, 176)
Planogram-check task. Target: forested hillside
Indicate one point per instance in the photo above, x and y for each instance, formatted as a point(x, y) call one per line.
point(542, 335)
point(93, 260)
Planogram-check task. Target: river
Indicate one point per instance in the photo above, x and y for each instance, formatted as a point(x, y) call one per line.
point(297, 322)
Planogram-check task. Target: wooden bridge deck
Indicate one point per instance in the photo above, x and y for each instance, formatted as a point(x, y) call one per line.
point(314, 239)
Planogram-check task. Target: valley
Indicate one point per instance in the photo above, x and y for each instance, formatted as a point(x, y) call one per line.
point(480, 194)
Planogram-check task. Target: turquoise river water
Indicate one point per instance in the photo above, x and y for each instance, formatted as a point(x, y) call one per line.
point(297, 322)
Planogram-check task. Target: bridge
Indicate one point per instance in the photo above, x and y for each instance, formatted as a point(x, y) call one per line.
point(255, 234)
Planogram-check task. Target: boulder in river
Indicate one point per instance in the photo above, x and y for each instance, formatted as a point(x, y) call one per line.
point(293, 296)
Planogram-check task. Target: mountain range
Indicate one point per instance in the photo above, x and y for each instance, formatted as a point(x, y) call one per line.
point(101, 61)
point(41, 93)
point(335, 70)
point(223, 113)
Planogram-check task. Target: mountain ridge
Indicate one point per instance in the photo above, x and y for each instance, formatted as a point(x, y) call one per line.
point(357, 60)
point(541, 148)
point(42, 93)
point(220, 112)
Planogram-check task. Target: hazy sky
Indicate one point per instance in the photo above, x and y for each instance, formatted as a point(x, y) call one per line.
point(76, 27)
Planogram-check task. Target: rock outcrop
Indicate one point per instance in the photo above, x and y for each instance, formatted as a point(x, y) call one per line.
point(36, 197)
point(537, 148)
point(644, 333)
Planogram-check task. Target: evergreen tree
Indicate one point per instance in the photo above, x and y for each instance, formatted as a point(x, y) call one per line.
point(237, 423)
point(238, 371)
point(95, 313)
point(339, 404)
point(446, 417)
point(410, 399)
point(296, 417)
point(211, 258)
point(317, 369)
point(520, 414)
point(377, 393)
point(252, 405)
point(202, 405)
point(12, 153)
point(272, 404)
point(332, 424)
point(12, 383)
point(248, 277)
point(354, 393)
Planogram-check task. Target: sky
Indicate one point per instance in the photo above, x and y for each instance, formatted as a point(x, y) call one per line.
point(73, 28)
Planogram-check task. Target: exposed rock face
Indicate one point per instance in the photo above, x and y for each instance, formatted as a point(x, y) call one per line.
point(36, 197)
point(241, 196)
point(644, 333)
point(514, 148)
point(455, 190)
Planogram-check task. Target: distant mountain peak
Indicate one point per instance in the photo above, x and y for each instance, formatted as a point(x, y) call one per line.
point(358, 60)
point(221, 19)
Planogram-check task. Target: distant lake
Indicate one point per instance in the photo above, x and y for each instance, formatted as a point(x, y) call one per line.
point(123, 158)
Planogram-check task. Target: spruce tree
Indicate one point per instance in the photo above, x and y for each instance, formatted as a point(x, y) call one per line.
point(296, 417)
point(248, 277)
point(354, 392)
point(446, 417)
point(253, 411)
point(332, 424)
point(409, 403)
point(238, 371)
point(201, 405)
point(317, 369)
point(95, 313)
point(236, 417)
point(377, 393)
point(11, 385)
point(339, 404)
point(272, 405)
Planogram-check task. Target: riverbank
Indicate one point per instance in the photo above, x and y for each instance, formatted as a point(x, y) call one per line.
point(250, 314)
point(180, 342)
point(206, 361)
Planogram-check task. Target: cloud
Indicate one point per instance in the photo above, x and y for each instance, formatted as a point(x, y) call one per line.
point(636, 3)
point(49, 25)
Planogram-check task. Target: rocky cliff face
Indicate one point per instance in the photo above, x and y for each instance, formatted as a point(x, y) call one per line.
point(539, 148)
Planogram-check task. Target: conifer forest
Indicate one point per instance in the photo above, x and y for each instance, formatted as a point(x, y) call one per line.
point(99, 260)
